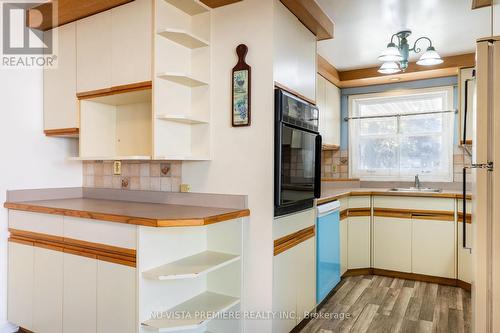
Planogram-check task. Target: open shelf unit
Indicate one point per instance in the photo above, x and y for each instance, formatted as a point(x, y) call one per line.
point(182, 81)
point(183, 37)
point(193, 270)
point(190, 7)
point(206, 302)
point(116, 126)
point(192, 266)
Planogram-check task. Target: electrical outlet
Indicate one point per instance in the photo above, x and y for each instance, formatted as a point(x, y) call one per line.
point(185, 188)
point(117, 167)
point(334, 168)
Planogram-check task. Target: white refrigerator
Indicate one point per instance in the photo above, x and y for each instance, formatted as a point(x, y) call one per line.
point(486, 189)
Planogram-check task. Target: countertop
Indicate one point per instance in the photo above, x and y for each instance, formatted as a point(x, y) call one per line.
point(128, 211)
point(331, 193)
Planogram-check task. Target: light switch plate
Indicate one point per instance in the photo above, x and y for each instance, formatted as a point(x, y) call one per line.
point(117, 167)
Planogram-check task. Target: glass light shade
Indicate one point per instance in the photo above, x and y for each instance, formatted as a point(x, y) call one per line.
point(389, 68)
point(391, 53)
point(430, 58)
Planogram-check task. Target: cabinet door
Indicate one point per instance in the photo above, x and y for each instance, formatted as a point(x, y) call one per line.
point(433, 247)
point(116, 298)
point(93, 52)
point(131, 42)
point(20, 285)
point(332, 114)
point(285, 289)
point(80, 283)
point(392, 243)
point(358, 242)
point(306, 277)
point(59, 82)
point(343, 246)
point(48, 291)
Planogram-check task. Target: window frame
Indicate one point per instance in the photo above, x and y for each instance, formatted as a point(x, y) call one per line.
point(449, 131)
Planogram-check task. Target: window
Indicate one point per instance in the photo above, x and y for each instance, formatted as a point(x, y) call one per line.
point(387, 145)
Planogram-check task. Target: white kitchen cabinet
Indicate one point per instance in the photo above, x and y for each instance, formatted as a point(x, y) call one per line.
point(306, 277)
point(114, 47)
point(94, 40)
point(48, 291)
point(359, 242)
point(464, 269)
point(294, 286)
point(20, 285)
point(392, 243)
point(60, 108)
point(328, 103)
point(116, 298)
point(433, 247)
point(80, 297)
point(132, 38)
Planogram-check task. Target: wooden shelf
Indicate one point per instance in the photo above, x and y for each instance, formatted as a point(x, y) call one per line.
point(182, 78)
point(182, 158)
point(191, 267)
point(191, 7)
point(329, 147)
point(207, 302)
point(182, 119)
point(110, 158)
point(183, 38)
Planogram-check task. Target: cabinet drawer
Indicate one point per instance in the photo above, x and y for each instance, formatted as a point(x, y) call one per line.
point(359, 202)
point(109, 233)
point(440, 204)
point(36, 222)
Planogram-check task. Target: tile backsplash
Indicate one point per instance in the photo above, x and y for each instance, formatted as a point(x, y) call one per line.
point(144, 175)
point(335, 164)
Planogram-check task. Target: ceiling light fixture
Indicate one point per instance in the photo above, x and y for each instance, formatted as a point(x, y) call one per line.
point(395, 57)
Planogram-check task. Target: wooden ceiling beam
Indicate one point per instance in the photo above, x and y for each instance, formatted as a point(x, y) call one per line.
point(73, 10)
point(312, 16)
point(328, 71)
point(481, 3)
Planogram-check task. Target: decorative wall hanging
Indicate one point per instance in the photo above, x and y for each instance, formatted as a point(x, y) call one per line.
point(241, 96)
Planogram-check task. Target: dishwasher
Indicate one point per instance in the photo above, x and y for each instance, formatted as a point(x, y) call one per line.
point(327, 249)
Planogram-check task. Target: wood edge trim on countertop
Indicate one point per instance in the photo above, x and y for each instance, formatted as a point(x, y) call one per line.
point(184, 222)
point(115, 90)
point(293, 92)
point(62, 132)
point(285, 243)
point(392, 194)
point(340, 180)
point(408, 276)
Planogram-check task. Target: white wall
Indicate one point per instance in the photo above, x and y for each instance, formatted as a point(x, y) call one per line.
point(243, 157)
point(28, 158)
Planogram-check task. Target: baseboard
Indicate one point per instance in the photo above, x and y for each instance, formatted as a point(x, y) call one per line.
point(408, 276)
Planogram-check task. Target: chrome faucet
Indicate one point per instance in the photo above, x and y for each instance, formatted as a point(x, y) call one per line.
point(417, 182)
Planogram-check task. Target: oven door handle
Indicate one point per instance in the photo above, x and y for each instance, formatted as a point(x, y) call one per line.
point(317, 166)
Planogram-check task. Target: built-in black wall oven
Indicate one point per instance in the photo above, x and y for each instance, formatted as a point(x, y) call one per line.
point(297, 154)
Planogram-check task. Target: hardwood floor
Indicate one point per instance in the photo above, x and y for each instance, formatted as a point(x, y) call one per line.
point(383, 304)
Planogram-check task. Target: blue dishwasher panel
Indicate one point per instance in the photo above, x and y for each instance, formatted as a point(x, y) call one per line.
point(327, 254)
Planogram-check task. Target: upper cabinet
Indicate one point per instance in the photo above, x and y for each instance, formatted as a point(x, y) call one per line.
point(59, 84)
point(328, 102)
point(114, 47)
point(294, 54)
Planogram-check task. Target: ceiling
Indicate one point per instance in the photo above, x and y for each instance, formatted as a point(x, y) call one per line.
point(364, 27)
